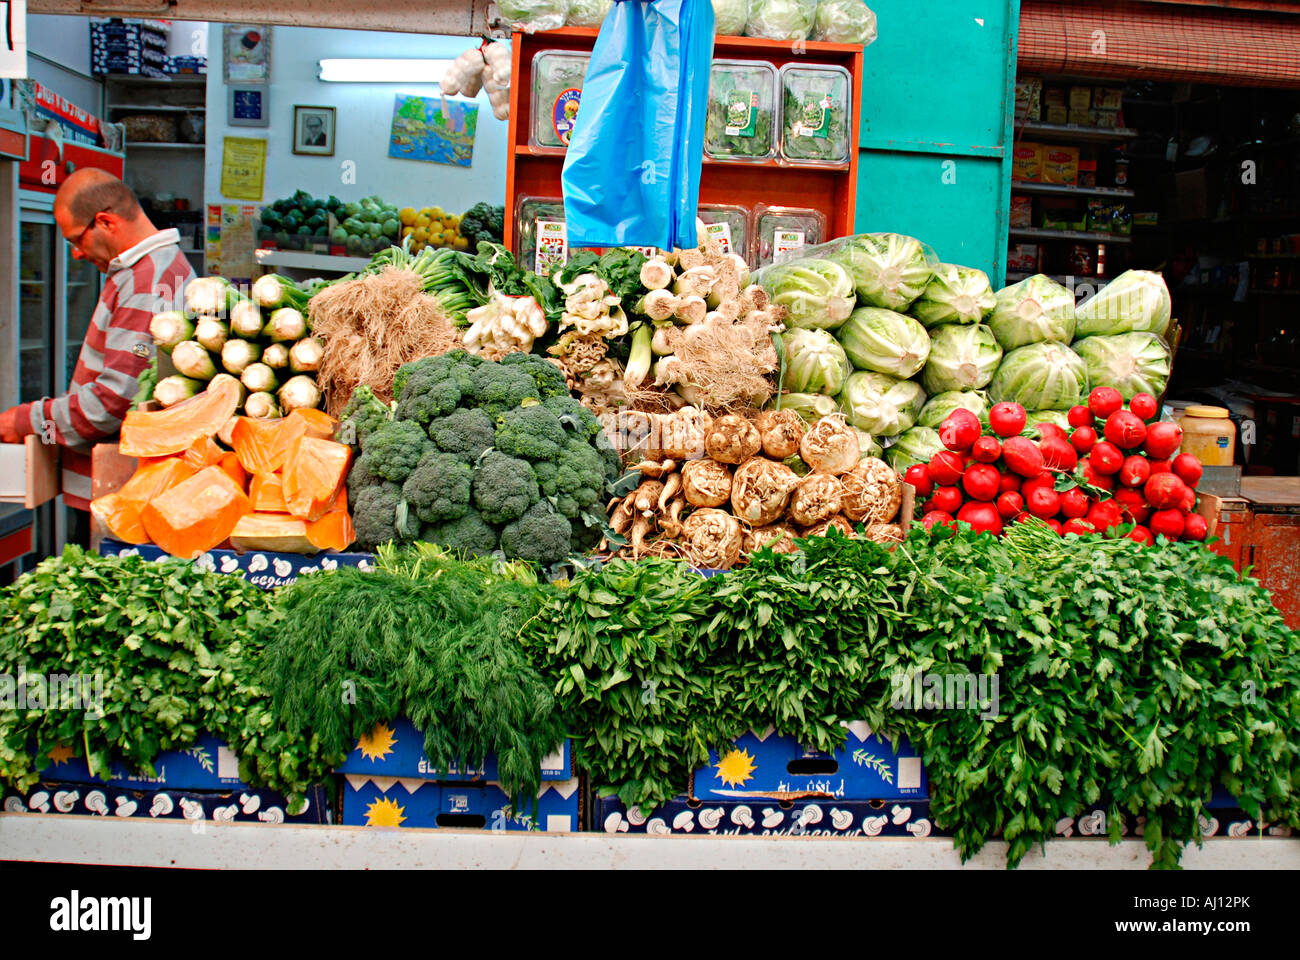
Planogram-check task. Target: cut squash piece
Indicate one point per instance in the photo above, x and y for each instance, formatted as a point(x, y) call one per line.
point(149, 481)
point(196, 515)
point(120, 516)
point(313, 474)
point(227, 428)
point(203, 453)
point(319, 423)
point(230, 463)
point(120, 511)
point(276, 532)
point(334, 531)
point(263, 445)
point(266, 493)
point(157, 433)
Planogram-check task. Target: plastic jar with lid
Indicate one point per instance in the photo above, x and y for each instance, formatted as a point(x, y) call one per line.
point(1209, 435)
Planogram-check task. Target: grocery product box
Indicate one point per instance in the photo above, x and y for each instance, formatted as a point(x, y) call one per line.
point(1079, 118)
point(1107, 98)
point(1101, 214)
point(767, 766)
point(1060, 165)
point(207, 765)
point(1023, 257)
point(1055, 96)
point(1027, 161)
point(1105, 119)
point(1218, 821)
point(370, 801)
point(1029, 98)
point(396, 749)
point(807, 818)
point(258, 567)
point(235, 806)
point(1057, 114)
point(1022, 211)
point(1080, 98)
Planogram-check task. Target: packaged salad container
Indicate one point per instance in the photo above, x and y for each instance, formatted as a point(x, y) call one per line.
point(541, 238)
point(727, 224)
point(783, 230)
point(816, 104)
point(557, 92)
point(741, 121)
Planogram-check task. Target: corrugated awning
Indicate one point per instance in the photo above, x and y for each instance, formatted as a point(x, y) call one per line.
point(1161, 41)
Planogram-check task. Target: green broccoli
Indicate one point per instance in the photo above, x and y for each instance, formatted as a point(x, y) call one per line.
point(455, 365)
point(504, 487)
point(360, 476)
point(574, 416)
point(547, 375)
point(498, 387)
point(530, 432)
point(580, 474)
point(438, 487)
point(379, 515)
point(395, 448)
point(547, 473)
point(466, 432)
point(540, 535)
point(364, 414)
point(483, 221)
point(469, 534)
point(609, 457)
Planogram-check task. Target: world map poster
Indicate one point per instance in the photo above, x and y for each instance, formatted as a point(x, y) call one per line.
point(433, 129)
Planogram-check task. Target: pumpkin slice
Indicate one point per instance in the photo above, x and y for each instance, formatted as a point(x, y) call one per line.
point(156, 433)
point(313, 474)
point(263, 445)
point(226, 430)
point(334, 531)
point(275, 532)
point(203, 453)
point(196, 514)
point(119, 511)
point(120, 516)
point(230, 463)
point(266, 493)
point(162, 474)
point(319, 423)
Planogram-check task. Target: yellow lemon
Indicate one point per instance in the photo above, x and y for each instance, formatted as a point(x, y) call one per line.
point(421, 235)
point(407, 215)
point(422, 222)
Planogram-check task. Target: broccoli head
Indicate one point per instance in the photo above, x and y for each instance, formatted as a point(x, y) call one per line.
point(547, 473)
point(581, 473)
point(574, 416)
point(547, 375)
point(364, 414)
point(379, 515)
point(504, 487)
point(540, 535)
point(609, 457)
point(469, 534)
point(360, 476)
point(433, 386)
point(497, 387)
point(483, 221)
point(466, 432)
point(531, 432)
point(394, 449)
point(438, 487)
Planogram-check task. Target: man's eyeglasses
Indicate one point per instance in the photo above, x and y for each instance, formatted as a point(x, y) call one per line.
point(90, 226)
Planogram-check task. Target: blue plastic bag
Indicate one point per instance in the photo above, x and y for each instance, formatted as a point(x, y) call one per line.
point(632, 170)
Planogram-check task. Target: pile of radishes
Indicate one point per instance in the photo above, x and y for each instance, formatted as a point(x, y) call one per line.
point(1114, 469)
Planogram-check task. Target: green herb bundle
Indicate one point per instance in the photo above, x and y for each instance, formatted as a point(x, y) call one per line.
point(808, 130)
point(741, 118)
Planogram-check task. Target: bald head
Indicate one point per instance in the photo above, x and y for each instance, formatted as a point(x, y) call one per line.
point(89, 191)
point(100, 216)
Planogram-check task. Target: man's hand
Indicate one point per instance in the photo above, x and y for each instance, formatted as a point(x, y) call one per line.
point(9, 426)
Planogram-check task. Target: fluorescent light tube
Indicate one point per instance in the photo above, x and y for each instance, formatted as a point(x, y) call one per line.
point(382, 71)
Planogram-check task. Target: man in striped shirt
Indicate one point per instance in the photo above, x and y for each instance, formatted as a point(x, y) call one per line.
point(146, 274)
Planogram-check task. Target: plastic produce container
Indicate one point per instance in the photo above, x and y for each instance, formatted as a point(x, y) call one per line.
point(542, 239)
point(816, 104)
point(728, 224)
point(782, 231)
point(741, 122)
point(557, 92)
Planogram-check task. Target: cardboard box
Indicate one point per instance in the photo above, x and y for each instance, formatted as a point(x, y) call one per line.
point(369, 801)
point(1218, 821)
point(846, 819)
point(767, 766)
point(1079, 118)
point(238, 806)
point(1022, 211)
point(259, 567)
point(1055, 97)
point(1100, 215)
point(1058, 114)
point(208, 765)
point(29, 472)
point(1027, 161)
point(1060, 165)
point(1023, 257)
point(1107, 98)
point(397, 750)
point(1105, 119)
point(1029, 98)
point(1080, 98)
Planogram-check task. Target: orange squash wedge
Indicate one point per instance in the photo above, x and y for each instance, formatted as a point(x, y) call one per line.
point(230, 463)
point(319, 423)
point(156, 433)
point(266, 493)
point(120, 516)
point(204, 452)
point(263, 445)
point(119, 511)
point(195, 515)
point(313, 474)
point(226, 429)
point(276, 532)
point(334, 531)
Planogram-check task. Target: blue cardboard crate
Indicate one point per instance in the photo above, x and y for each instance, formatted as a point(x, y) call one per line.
point(261, 568)
point(1218, 821)
point(867, 767)
point(208, 765)
point(236, 806)
point(397, 750)
point(808, 818)
point(369, 801)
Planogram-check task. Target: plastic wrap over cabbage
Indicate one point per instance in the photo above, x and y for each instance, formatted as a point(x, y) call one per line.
point(730, 16)
point(781, 19)
point(885, 341)
point(913, 446)
point(1032, 311)
point(955, 295)
point(882, 405)
point(889, 270)
point(962, 357)
point(938, 407)
point(816, 293)
point(587, 13)
point(844, 21)
point(1041, 376)
point(810, 406)
point(1137, 301)
point(531, 16)
point(814, 362)
point(1129, 362)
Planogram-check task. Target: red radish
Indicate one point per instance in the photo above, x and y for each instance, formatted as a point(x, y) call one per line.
point(1106, 458)
point(986, 449)
point(1010, 505)
point(1104, 515)
point(981, 481)
point(1077, 525)
point(946, 468)
point(1163, 439)
point(1189, 501)
point(1055, 525)
point(934, 518)
point(1043, 502)
point(960, 429)
point(1125, 429)
point(1058, 454)
point(1160, 466)
point(1007, 419)
point(1167, 523)
point(983, 517)
point(918, 475)
point(1132, 503)
point(1044, 481)
point(1164, 491)
point(1104, 401)
point(1144, 405)
point(1187, 468)
point(1074, 503)
point(1048, 430)
point(1008, 482)
point(1022, 456)
point(947, 499)
point(1195, 527)
point(1083, 439)
point(1142, 535)
point(1093, 478)
point(1079, 416)
point(1135, 472)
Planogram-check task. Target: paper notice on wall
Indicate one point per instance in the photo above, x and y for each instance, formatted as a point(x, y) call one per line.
point(13, 45)
point(243, 167)
point(231, 240)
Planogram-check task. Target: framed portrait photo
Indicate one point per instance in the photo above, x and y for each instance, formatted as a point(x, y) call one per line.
point(313, 131)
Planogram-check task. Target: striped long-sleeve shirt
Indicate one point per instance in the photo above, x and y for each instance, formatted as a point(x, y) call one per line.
point(147, 279)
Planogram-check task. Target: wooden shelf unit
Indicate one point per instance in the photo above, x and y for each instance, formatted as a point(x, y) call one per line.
point(534, 171)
